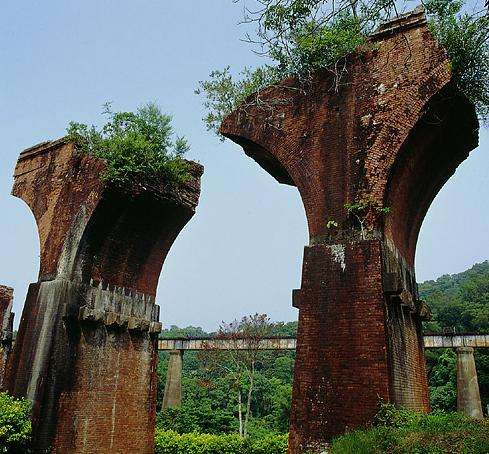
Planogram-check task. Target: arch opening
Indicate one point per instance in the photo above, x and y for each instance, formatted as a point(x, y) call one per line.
point(439, 142)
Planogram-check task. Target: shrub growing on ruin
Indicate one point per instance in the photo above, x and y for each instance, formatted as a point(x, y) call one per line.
point(137, 146)
point(298, 37)
point(464, 36)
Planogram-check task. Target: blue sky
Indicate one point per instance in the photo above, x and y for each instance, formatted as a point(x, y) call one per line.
point(242, 252)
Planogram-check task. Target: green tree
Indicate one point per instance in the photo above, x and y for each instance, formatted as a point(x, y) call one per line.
point(239, 361)
point(299, 37)
point(138, 147)
point(459, 302)
point(15, 425)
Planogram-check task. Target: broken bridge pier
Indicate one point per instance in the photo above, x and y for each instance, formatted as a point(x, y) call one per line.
point(86, 349)
point(368, 153)
point(6, 328)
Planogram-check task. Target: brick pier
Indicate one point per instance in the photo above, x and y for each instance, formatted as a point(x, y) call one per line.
point(388, 134)
point(6, 328)
point(86, 350)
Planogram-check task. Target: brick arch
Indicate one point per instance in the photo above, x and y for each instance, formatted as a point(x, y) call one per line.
point(439, 141)
point(127, 239)
point(86, 350)
point(359, 336)
point(276, 157)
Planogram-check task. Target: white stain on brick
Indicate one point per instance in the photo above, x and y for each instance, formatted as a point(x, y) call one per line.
point(338, 251)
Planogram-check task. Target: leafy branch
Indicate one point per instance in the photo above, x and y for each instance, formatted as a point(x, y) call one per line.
point(299, 37)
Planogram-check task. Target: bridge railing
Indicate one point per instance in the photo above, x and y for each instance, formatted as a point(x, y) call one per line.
point(288, 343)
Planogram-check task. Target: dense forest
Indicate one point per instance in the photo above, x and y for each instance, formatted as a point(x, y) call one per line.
point(459, 302)
point(210, 397)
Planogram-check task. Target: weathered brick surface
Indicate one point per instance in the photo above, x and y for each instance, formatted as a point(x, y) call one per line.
point(393, 131)
point(6, 327)
point(86, 350)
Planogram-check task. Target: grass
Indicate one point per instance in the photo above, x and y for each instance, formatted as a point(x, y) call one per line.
point(403, 432)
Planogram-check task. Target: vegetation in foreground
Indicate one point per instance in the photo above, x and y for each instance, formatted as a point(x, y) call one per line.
point(399, 431)
point(232, 392)
point(138, 147)
point(396, 431)
point(170, 442)
point(208, 419)
point(459, 302)
point(211, 394)
point(15, 425)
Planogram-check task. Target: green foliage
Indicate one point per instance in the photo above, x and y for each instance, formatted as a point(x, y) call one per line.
point(402, 431)
point(315, 45)
point(189, 331)
point(271, 444)
point(299, 37)
point(361, 209)
point(137, 146)
point(209, 401)
point(442, 375)
point(309, 45)
point(15, 425)
point(464, 37)
point(205, 417)
point(391, 416)
point(331, 224)
point(169, 442)
point(222, 93)
point(364, 205)
point(459, 302)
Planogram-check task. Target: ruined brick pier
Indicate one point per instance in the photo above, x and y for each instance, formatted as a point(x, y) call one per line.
point(387, 134)
point(86, 350)
point(6, 327)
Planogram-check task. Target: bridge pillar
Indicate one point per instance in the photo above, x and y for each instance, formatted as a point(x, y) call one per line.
point(173, 386)
point(6, 328)
point(363, 149)
point(468, 396)
point(86, 349)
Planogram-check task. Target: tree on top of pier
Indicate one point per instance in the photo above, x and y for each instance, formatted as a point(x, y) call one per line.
point(298, 37)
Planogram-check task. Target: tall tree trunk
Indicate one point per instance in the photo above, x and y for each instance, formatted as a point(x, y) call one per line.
point(240, 414)
point(248, 404)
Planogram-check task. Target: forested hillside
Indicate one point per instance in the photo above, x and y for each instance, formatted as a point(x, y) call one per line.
point(460, 302)
point(210, 400)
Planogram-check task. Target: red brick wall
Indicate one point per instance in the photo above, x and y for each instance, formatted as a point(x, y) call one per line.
point(406, 358)
point(341, 360)
point(392, 131)
point(110, 405)
point(86, 348)
point(6, 327)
